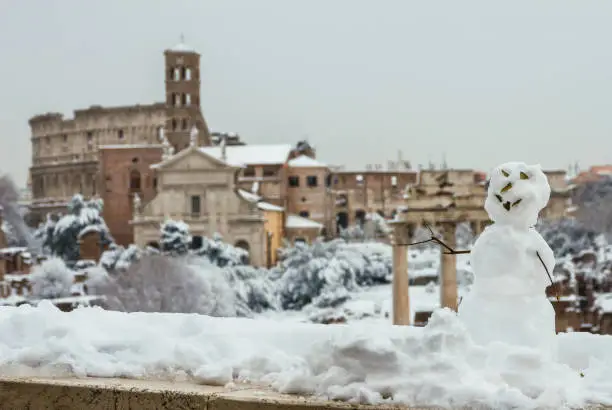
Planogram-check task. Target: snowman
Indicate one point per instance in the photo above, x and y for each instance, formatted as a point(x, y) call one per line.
point(510, 259)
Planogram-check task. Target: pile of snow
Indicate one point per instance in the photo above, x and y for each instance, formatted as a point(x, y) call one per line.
point(361, 362)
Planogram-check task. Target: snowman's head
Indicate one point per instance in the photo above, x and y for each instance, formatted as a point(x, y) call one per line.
point(517, 193)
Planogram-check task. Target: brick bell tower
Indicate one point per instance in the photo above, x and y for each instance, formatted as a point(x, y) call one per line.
point(183, 97)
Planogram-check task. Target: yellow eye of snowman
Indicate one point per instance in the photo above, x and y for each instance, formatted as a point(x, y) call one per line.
point(524, 175)
point(505, 173)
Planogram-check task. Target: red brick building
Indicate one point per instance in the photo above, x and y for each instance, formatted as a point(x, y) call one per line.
point(124, 172)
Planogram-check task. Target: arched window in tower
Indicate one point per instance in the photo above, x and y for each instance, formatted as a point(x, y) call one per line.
point(134, 180)
point(177, 100)
point(177, 74)
point(188, 74)
point(184, 123)
point(183, 73)
point(170, 73)
point(184, 99)
point(187, 99)
point(174, 124)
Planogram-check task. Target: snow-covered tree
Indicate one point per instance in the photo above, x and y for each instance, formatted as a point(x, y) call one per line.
point(568, 236)
point(221, 253)
point(51, 279)
point(593, 200)
point(158, 283)
point(374, 226)
point(175, 237)
point(60, 235)
point(321, 272)
point(13, 214)
point(464, 235)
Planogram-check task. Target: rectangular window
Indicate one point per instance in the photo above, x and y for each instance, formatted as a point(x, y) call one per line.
point(195, 205)
point(294, 181)
point(269, 171)
point(311, 181)
point(120, 134)
point(249, 172)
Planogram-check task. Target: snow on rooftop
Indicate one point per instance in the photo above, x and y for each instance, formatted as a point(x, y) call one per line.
point(295, 221)
point(265, 206)
point(437, 365)
point(182, 48)
point(304, 161)
point(249, 196)
point(270, 154)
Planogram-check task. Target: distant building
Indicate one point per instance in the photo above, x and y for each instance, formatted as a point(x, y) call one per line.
point(65, 151)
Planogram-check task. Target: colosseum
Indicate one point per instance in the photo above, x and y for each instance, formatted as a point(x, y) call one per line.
point(65, 151)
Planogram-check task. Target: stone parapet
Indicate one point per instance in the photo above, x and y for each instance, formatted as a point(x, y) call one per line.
point(123, 394)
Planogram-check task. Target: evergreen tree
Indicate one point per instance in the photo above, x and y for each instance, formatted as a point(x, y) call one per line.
point(175, 238)
point(60, 234)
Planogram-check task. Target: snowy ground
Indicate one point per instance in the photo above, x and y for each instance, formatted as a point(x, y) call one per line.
point(362, 361)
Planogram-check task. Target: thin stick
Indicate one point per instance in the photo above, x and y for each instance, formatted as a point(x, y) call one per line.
point(549, 277)
point(450, 251)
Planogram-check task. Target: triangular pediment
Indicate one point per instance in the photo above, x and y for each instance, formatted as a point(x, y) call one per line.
point(193, 159)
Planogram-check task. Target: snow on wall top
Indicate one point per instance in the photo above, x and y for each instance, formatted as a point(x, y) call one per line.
point(271, 154)
point(295, 221)
point(304, 161)
point(127, 146)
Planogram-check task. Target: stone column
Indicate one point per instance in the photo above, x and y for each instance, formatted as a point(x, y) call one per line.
point(401, 299)
point(211, 204)
point(448, 288)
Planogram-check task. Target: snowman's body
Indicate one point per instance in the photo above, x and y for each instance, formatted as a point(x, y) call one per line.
point(507, 302)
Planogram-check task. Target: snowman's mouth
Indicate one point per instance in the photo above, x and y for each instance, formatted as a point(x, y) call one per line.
point(507, 205)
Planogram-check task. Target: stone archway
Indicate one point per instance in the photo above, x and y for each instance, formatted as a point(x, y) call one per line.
point(342, 221)
point(196, 242)
point(153, 244)
point(360, 216)
point(242, 244)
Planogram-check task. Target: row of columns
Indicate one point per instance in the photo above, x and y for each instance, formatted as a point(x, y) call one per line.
point(65, 185)
point(401, 237)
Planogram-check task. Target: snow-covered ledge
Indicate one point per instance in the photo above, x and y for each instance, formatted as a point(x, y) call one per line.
point(82, 394)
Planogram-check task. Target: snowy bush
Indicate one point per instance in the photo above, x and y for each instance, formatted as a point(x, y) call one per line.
point(253, 288)
point(51, 279)
point(175, 238)
point(118, 258)
point(321, 272)
point(221, 253)
point(157, 283)
point(61, 238)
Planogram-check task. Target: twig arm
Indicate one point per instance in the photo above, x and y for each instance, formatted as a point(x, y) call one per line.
point(549, 276)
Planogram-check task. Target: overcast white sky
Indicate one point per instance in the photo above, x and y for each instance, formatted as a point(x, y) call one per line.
point(483, 81)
